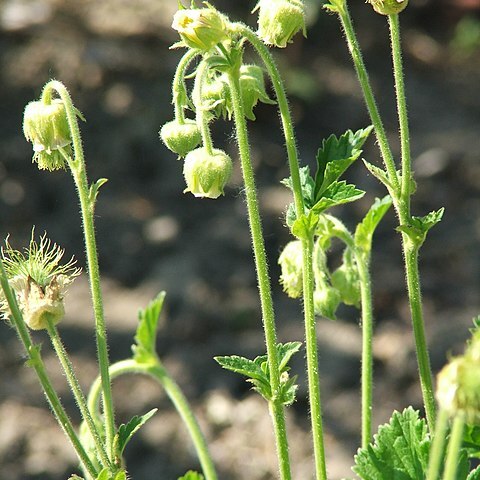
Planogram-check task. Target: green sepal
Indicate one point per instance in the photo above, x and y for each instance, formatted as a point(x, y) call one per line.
point(191, 475)
point(127, 430)
point(145, 336)
point(419, 226)
point(257, 371)
point(336, 155)
point(366, 228)
point(400, 450)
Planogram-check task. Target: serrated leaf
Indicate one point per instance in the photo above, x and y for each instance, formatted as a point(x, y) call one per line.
point(304, 227)
point(285, 353)
point(145, 336)
point(191, 475)
point(336, 155)
point(366, 228)
point(337, 193)
point(307, 183)
point(399, 452)
point(379, 174)
point(127, 431)
point(243, 366)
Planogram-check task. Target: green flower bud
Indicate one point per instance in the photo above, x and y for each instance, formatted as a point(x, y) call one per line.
point(345, 280)
point(201, 28)
point(216, 96)
point(46, 126)
point(458, 388)
point(207, 174)
point(326, 301)
point(388, 7)
point(38, 281)
point(181, 138)
point(291, 263)
point(280, 20)
point(252, 87)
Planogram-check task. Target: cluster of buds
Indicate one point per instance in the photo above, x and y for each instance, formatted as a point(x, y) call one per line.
point(45, 124)
point(38, 281)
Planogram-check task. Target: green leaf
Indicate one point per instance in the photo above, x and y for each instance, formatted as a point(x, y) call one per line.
point(379, 174)
point(471, 440)
point(121, 476)
point(400, 450)
point(305, 226)
point(365, 229)
point(474, 474)
point(285, 353)
point(243, 366)
point(145, 336)
point(127, 431)
point(104, 475)
point(93, 191)
point(337, 193)
point(191, 475)
point(307, 184)
point(336, 155)
point(419, 226)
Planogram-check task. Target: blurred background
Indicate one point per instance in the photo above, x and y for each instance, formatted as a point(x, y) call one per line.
point(113, 56)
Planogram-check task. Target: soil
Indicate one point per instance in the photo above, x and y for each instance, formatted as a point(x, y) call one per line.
point(113, 56)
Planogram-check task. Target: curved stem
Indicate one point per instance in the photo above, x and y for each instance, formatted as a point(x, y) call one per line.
point(178, 85)
point(368, 95)
point(363, 264)
point(77, 392)
point(77, 167)
point(436, 449)
point(454, 445)
point(156, 370)
point(201, 110)
point(268, 316)
point(35, 361)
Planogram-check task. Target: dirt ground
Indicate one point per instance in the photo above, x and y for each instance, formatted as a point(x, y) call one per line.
point(113, 56)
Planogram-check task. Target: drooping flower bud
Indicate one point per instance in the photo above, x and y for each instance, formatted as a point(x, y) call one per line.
point(207, 174)
point(38, 281)
point(280, 20)
point(326, 301)
point(46, 126)
point(181, 138)
point(291, 263)
point(388, 7)
point(201, 28)
point(458, 387)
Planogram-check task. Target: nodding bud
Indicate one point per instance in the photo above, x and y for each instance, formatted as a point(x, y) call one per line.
point(201, 28)
point(46, 126)
point(345, 280)
point(458, 388)
point(207, 173)
point(326, 301)
point(388, 7)
point(291, 263)
point(181, 138)
point(280, 20)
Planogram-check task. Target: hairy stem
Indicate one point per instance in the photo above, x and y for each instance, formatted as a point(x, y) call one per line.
point(178, 85)
point(436, 450)
point(78, 169)
point(454, 445)
point(156, 370)
point(263, 278)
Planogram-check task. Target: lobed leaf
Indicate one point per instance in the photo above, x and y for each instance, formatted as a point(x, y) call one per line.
point(337, 193)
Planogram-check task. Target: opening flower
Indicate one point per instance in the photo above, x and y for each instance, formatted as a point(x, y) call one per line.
point(38, 280)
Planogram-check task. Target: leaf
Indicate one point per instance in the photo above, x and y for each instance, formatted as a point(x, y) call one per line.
point(93, 191)
point(285, 353)
point(307, 184)
point(474, 474)
point(379, 174)
point(471, 440)
point(145, 336)
point(304, 227)
point(336, 155)
point(104, 475)
point(337, 193)
point(127, 431)
point(366, 228)
point(419, 226)
point(191, 475)
point(243, 366)
point(400, 450)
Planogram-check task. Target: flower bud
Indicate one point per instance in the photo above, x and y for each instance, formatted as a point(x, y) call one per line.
point(207, 174)
point(201, 28)
point(345, 280)
point(458, 388)
point(280, 20)
point(291, 263)
point(388, 7)
point(181, 138)
point(46, 126)
point(216, 96)
point(326, 301)
point(252, 88)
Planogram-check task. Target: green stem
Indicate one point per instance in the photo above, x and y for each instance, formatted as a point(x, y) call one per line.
point(363, 264)
point(35, 361)
point(77, 166)
point(178, 85)
point(200, 108)
point(436, 450)
point(156, 370)
point(78, 393)
point(307, 264)
point(454, 445)
point(268, 316)
point(368, 95)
